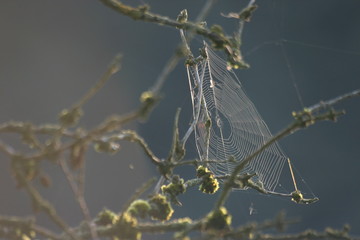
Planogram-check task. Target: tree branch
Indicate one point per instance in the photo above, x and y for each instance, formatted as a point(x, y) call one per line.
point(303, 119)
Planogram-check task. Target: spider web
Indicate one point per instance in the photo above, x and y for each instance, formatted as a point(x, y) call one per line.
point(228, 126)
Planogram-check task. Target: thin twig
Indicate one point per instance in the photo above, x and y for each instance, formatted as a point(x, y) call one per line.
point(20, 127)
point(142, 13)
point(309, 234)
point(132, 136)
point(79, 196)
point(45, 232)
point(110, 124)
point(205, 10)
point(332, 102)
point(44, 205)
point(242, 20)
point(6, 149)
point(168, 68)
point(113, 68)
point(305, 119)
point(175, 58)
point(177, 150)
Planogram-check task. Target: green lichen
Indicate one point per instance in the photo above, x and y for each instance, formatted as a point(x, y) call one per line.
point(183, 16)
point(296, 196)
point(125, 228)
point(160, 208)
point(106, 217)
point(218, 220)
point(209, 183)
point(139, 208)
point(148, 99)
point(174, 188)
point(69, 118)
point(202, 171)
point(219, 42)
point(247, 13)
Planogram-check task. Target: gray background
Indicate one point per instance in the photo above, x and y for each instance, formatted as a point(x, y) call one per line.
point(51, 52)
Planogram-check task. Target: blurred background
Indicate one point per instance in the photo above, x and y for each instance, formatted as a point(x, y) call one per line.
point(51, 53)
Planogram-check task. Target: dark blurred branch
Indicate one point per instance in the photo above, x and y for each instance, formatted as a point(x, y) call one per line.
point(79, 195)
point(113, 68)
point(183, 226)
point(111, 124)
point(329, 233)
point(23, 128)
point(41, 204)
point(26, 226)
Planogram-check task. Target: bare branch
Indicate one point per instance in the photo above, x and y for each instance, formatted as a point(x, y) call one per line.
point(215, 34)
point(303, 119)
point(332, 102)
point(26, 226)
point(79, 196)
point(113, 68)
point(175, 58)
point(42, 204)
